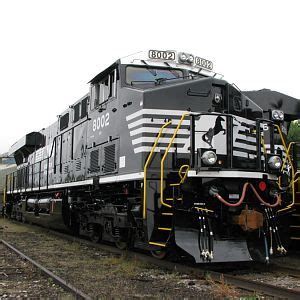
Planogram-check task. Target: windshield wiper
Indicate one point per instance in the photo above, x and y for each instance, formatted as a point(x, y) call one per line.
point(142, 81)
point(160, 80)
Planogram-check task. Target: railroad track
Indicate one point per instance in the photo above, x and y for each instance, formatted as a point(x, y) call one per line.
point(62, 283)
point(238, 281)
point(202, 272)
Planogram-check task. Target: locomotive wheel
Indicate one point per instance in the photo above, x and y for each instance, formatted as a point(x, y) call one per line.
point(96, 236)
point(159, 254)
point(121, 245)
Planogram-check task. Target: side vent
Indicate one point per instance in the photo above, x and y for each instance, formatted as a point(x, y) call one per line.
point(78, 165)
point(66, 169)
point(109, 158)
point(94, 161)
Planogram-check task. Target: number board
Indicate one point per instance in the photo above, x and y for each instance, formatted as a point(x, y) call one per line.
point(203, 63)
point(165, 55)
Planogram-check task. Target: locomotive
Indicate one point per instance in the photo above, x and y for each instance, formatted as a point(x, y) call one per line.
point(164, 155)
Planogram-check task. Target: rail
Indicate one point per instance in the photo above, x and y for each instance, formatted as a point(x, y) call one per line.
point(64, 284)
point(147, 164)
point(203, 272)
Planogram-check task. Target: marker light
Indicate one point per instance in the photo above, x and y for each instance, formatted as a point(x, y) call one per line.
point(262, 186)
point(209, 158)
point(277, 115)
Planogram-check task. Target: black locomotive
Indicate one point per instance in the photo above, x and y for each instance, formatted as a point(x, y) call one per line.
point(162, 155)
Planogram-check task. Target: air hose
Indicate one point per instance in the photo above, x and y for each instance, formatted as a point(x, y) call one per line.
point(214, 192)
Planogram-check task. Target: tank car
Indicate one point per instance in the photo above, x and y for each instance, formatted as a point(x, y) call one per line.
point(164, 155)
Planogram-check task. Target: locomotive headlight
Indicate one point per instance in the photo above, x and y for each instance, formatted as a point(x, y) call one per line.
point(209, 158)
point(218, 98)
point(183, 57)
point(277, 115)
point(275, 162)
point(191, 59)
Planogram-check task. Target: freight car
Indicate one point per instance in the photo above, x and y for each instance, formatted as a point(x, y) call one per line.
point(164, 155)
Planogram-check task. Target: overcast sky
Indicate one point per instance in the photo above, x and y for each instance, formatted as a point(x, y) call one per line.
point(49, 50)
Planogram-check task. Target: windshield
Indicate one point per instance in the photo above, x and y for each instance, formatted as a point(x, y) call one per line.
point(136, 75)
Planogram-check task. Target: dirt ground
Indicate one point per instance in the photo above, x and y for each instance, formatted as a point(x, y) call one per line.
point(104, 275)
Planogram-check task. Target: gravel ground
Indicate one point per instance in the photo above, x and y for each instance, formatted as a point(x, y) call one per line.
point(104, 275)
point(18, 279)
point(276, 279)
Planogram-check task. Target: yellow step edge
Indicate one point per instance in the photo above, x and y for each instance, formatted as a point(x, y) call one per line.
point(164, 228)
point(169, 199)
point(174, 184)
point(294, 226)
point(157, 244)
point(167, 214)
point(295, 238)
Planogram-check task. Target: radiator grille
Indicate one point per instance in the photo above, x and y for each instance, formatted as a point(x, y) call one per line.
point(94, 162)
point(78, 165)
point(109, 158)
point(66, 169)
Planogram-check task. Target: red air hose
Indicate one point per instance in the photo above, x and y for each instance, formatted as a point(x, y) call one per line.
point(237, 203)
point(278, 198)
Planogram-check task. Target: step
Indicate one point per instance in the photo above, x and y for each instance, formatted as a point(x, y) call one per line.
point(174, 184)
point(295, 238)
point(294, 226)
point(164, 228)
point(295, 215)
point(167, 214)
point(172, 199)
point(160, 244)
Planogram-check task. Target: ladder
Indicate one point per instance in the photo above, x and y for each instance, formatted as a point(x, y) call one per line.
point(295, 216)
point(163, 225)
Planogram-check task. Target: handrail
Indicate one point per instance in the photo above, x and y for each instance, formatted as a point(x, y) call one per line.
point(146, 166)
point(185, 174)
point(164, 158)
point(286, 149)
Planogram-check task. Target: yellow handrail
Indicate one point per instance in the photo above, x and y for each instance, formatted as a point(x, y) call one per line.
point(163, 160)
point(286, 149)
point(146, 166)
point(187, 167)
point(285, 159)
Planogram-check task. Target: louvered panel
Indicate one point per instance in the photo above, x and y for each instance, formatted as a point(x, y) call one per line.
point(109, 158)
point(94, 161)
point(78, 165)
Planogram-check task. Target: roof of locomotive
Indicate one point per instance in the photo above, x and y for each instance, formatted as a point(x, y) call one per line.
point(164, 58)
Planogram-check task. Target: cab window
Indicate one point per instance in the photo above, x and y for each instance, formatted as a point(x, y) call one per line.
point(136, 75)
point(105, 89)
